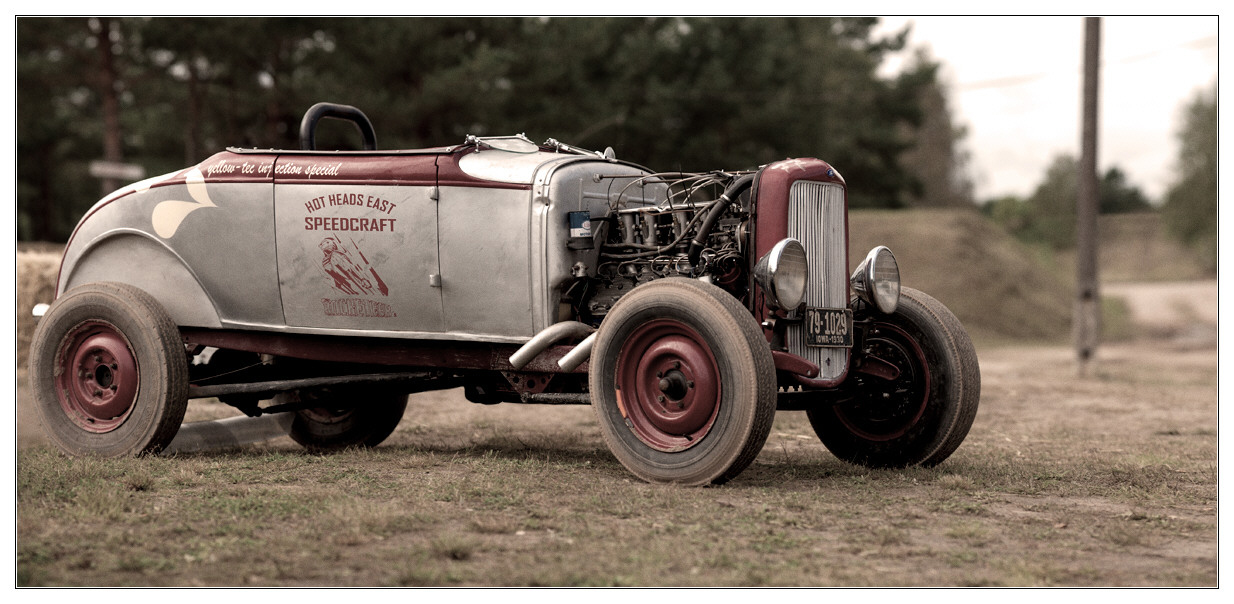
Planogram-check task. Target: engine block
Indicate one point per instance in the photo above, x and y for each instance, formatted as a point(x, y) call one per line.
point(651, 242)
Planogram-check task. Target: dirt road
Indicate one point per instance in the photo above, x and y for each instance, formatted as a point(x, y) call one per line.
point(1182, 311)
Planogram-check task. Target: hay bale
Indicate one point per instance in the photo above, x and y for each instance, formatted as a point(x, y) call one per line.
point(36, 282)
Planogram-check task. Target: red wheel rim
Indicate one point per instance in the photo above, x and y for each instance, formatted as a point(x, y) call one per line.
point(889, 409)
point(96, 376)
point(668, 385)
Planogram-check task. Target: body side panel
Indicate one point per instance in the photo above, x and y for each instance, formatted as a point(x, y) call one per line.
point(485, 260)
point(219, 233)
point(357, 243)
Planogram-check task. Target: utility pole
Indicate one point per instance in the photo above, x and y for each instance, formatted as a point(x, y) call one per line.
point(1086, 322)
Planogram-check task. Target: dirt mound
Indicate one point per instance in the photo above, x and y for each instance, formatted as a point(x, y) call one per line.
point(991, 281)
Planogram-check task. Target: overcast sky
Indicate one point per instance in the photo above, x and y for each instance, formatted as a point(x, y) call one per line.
point(1016, 82)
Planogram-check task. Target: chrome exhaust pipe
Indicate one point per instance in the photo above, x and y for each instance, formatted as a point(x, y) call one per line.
point(580, 353)
point(549, 336)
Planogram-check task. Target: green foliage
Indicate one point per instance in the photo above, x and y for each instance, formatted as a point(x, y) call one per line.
point(671, 93)
point(1008, 211)
point(1048, 216)
point(1053, 205)
point(1117, 196)
point(936, 161)
point(1190, 208)
point(59, 126)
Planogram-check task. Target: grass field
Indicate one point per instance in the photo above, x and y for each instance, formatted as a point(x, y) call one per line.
point(1104, 481)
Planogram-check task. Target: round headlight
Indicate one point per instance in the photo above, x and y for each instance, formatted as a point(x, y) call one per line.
point(783, 273)
point(877, 280)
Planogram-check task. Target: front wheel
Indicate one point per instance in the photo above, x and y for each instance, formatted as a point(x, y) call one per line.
point(682, 382)
point(916, 386)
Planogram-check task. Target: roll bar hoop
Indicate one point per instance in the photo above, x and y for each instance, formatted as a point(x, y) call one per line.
point(308, 126)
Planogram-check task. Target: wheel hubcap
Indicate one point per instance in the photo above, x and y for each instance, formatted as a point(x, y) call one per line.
point(96, 377)
point(668, 385)
point(326, 415)
point(895, 398)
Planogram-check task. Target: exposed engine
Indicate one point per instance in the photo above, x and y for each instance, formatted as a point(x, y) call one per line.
point(664, 225)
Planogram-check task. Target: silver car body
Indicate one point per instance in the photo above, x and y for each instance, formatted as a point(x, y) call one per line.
point(427, 244)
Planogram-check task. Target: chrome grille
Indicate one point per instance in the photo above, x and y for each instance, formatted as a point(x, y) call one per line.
point(816, 219)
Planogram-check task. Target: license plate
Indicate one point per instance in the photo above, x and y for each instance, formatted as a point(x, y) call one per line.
point(829, 327)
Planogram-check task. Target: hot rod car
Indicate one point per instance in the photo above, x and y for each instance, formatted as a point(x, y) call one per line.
point(684, 307)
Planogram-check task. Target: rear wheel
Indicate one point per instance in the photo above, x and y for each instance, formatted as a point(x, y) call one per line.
point(916, 384)
point(683, 383)
point(340, 419)
point(109, 372)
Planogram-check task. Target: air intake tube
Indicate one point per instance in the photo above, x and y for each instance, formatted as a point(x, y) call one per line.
point(730, 194)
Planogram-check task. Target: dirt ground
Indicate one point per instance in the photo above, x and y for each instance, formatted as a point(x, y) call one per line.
point(1107, 479)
